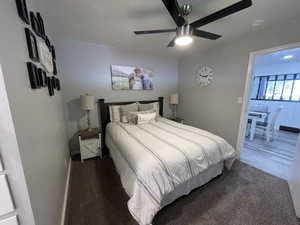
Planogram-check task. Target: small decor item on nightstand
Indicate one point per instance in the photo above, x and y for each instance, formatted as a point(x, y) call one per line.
point(87, 104)
point(174, 100)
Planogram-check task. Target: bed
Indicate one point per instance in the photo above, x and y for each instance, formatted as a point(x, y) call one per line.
point(161, 161)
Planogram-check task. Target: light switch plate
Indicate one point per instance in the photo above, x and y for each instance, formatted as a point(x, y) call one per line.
point(240, 100)
point(10, 221)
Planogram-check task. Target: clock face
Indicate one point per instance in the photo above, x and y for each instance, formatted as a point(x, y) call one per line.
point(204, 75)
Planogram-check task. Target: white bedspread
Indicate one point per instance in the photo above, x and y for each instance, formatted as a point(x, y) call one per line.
point(162, 155)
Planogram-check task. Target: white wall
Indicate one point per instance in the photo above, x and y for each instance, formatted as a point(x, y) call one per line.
point(38, 120)
point(86, 69)
point(215, 107)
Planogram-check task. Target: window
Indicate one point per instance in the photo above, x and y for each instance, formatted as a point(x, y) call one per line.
point(283, 87)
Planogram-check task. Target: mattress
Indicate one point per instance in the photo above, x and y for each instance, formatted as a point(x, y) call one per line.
point(163, 160)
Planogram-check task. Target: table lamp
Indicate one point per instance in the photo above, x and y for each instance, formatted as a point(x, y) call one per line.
point(174, 100)
point(87, 103)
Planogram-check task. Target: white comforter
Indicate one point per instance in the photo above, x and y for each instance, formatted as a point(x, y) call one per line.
point(163, 155)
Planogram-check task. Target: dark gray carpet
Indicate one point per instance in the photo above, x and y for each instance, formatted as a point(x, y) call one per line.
point(241, 196)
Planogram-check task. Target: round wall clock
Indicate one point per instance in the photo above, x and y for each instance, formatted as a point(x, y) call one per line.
point(204, 75)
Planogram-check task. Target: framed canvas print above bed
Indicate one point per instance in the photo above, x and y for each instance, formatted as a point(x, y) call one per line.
point(131, 78)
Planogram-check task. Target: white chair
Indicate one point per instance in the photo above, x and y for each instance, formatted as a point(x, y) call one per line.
point(260, 108)
point(269, 126)
point(257, 108)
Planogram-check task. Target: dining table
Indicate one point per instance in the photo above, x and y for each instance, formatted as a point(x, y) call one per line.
point(254, 117)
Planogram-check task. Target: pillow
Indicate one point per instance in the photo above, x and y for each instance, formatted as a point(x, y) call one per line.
point(142, 118)
point(145, 107)
point(114, 113)
point(133, 115)
point(150, 106)
point(127, 109)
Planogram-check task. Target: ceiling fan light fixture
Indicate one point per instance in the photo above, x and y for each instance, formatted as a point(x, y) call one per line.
point(184, 35)
point(183, 40)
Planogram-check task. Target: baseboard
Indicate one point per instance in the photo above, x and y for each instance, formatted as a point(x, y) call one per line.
point(63, 213)
point(290, 129)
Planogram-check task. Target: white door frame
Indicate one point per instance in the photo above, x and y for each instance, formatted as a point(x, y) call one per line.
point(248, 85)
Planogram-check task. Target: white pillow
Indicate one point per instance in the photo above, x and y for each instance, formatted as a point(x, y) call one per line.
point(114, 113)
point(126, 109)
point(143, 118)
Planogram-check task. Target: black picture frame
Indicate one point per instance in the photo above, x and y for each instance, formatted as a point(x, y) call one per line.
point(37, 77)
point(42, 77)
point(22, 10)
point(54, 67)
point(32, 45)
point(57, 84)
point(53, 82)
point(50, 86)
point(35, 24)
point(32, 75)
point(45, 78)
point(41, 25)
point(48, 43)
point(53, 52)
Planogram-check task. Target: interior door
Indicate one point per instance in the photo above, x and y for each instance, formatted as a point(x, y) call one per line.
point(8, 213)
point(294, 181)
point(7, 208)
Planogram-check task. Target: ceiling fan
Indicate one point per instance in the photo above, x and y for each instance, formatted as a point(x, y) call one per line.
point(186, 30)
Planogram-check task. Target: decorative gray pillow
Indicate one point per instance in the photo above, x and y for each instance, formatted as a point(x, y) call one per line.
point(150, 106)
point(127, 109)
point(133, 117)
point(146, 107)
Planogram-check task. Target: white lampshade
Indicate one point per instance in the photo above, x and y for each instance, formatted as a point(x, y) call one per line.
point(174, 99)
point(87, 102)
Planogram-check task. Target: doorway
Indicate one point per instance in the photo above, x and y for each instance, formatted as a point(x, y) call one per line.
point(270, 122)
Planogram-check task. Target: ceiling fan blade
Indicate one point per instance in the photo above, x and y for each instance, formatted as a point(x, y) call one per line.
point(222, 13)
point(205, 34)
point(172, 43)
point(154, 31)
point(174, 10)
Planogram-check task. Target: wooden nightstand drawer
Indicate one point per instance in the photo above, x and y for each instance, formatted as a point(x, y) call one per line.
point(90, 148)
point(90, 144)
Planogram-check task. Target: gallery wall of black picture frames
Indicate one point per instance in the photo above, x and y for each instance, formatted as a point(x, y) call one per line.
point(40, 75)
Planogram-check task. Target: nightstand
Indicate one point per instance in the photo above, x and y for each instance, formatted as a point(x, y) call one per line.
point(176, 119)
point(90, 144)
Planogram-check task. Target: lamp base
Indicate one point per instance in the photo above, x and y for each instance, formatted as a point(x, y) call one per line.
point(174, 111)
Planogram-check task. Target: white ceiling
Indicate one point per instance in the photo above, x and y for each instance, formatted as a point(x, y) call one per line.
point(278, 57)
point(112, 22)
